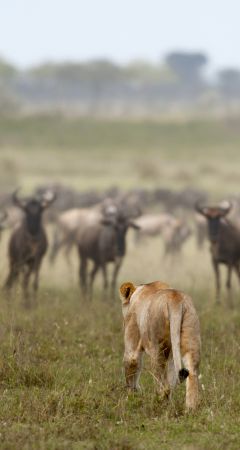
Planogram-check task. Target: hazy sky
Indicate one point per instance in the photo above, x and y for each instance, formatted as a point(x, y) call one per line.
point(32, 31)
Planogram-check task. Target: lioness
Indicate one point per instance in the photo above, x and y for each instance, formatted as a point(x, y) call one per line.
point(163, 323)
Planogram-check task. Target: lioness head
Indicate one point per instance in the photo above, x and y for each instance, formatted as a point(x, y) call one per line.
point(126, 290)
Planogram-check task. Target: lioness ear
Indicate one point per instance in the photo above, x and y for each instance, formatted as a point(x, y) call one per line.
point(126, 291)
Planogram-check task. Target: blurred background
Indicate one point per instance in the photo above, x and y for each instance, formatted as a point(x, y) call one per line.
point(115, 106)
point(128, 113)
point(107, 99)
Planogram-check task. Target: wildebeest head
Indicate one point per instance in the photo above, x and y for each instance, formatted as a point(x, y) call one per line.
point(33, 208)
point(214, 214)
point(120, 224)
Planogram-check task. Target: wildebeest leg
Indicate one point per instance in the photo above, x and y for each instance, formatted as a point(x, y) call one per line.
point(117, 267)
point(228, 284)
point(105, 281)
point(168, 254)
point(237, 270)
point(83, 275)
point(58, 243)
point(36, 280)
point(217, 277)
point(36, 270)
point(68, 247)
point(200, 237)
point(12, 277)
point(92, 277)
point(55, 247)
point(26, 276)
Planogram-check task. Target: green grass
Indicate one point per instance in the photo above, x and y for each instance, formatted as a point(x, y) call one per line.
point(137, 135)
point(61, 373)
point(88, 153)
point(62, 384)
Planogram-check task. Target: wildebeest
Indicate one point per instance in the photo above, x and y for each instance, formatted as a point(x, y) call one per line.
point(201, 230)
point(71, 223)
point(176, 237)
point(153, 224)
point(173, 231)
point(224, 237)
point(28, 242)
point(103, 243)
point(67, 226)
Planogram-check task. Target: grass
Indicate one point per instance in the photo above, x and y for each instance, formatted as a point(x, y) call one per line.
point(62, 384)
point(88, 153)
point(61, 374)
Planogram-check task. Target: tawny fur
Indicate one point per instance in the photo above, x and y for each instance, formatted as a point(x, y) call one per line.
point(163, 323)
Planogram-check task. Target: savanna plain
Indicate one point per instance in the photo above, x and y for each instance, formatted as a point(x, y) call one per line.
point(61, 374)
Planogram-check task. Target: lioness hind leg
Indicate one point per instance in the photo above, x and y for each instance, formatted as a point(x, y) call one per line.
point(159, 368)
point(192, 386)
point(133, 366)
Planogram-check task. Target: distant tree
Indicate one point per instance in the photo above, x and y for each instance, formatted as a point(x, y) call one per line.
point(229, 82)
point(104, 70)
point(144, 71)
point(187, 65)
point(7, 70)
point(96, 70)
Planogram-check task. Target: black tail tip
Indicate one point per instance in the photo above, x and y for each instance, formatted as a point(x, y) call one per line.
point(183, 374)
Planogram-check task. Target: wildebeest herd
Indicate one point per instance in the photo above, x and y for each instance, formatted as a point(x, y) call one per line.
point(158, 319)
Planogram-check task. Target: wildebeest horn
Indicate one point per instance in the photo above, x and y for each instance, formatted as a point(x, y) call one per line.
point(200, 209)
point(16, 200)
point(48, 198)
point(225, 206)
point(222, 209)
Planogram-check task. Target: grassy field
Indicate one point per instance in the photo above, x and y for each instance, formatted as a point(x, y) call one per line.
point(88, 153)
point(62, 384)
point(61, 374)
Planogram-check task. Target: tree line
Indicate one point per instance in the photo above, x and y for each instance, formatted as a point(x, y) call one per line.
point(180, 80)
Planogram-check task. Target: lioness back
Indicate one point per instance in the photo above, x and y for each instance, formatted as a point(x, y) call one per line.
point(150, 305)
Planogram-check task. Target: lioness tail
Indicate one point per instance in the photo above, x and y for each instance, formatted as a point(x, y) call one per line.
point(175, 317)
